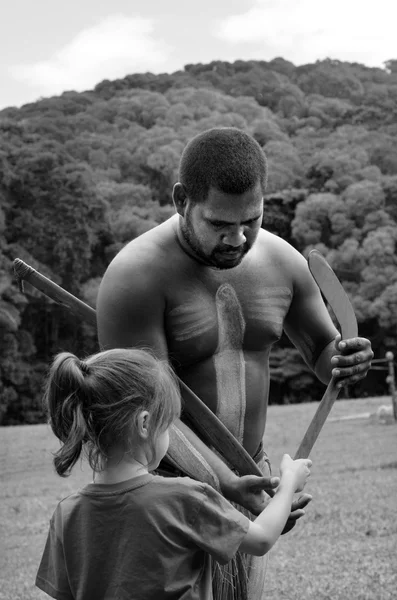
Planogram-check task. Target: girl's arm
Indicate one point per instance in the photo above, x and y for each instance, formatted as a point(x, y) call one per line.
point(263, 533)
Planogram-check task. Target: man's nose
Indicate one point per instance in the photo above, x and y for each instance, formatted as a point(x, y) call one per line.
point(235, 237)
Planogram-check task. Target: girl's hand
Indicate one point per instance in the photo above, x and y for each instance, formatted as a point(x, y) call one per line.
point(299, 470)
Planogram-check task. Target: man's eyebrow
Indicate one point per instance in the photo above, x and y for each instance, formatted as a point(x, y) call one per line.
point(220, 222)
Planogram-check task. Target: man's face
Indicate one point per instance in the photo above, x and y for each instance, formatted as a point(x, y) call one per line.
point(223, 228)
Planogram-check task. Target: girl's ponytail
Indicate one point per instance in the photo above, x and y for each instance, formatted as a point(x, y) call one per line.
point(65, 396)
point(93, 404)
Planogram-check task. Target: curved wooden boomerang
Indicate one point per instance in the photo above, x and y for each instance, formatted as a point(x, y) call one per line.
point(337, 298)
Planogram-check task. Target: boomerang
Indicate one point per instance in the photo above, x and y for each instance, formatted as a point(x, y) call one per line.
point(338, 300)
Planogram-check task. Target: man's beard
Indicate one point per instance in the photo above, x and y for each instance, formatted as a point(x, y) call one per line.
point(221, 257)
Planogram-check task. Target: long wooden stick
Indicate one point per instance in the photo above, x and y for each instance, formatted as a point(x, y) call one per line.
point(25, 272)
point(210, 428)
point(316, 424)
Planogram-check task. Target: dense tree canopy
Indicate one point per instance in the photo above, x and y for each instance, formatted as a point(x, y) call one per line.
point(83, 173)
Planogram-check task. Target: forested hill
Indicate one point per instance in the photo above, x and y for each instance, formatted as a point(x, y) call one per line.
point(83, 173)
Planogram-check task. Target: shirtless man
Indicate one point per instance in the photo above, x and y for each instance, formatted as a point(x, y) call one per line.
point(212, 291)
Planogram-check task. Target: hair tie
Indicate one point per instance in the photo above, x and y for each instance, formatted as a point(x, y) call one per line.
point(85, 369)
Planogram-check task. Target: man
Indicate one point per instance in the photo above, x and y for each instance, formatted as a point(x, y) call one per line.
point(212, 291)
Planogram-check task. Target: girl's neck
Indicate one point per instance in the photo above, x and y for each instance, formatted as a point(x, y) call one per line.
point(117, 471)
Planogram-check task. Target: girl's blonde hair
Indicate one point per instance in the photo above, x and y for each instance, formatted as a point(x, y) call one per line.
point(93, 404)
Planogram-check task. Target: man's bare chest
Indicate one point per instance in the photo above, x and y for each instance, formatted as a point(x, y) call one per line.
point(209, 316)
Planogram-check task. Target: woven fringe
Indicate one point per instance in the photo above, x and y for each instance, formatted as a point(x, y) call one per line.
point(230, 582)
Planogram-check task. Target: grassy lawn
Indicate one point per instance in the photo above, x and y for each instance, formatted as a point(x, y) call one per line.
point(344, 548)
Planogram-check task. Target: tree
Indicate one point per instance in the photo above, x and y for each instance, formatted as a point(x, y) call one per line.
point(329, 78)
point(55, 212)
point(391, 65)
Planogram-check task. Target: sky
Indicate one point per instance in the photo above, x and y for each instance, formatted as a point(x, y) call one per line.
point(48, 47)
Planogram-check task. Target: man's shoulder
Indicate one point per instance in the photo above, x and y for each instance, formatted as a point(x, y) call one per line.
point(148, 256)
point(273, 241)
point(277, 249)
point(153, 245)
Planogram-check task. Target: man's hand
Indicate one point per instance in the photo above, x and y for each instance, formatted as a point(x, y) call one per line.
point(353, 362)
point(250, 492)
point(297, 511)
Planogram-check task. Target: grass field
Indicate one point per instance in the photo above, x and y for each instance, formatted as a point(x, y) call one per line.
point(344, 548)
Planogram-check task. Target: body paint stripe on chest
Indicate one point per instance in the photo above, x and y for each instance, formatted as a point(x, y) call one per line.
point(190, 320)
point(229, 361)
point(270, 304)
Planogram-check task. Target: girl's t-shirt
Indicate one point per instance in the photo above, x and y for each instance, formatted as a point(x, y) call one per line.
point(146, 538)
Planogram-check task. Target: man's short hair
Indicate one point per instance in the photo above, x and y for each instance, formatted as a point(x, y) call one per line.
point(224, 158)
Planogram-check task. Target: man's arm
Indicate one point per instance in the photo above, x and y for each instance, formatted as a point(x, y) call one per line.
point(131, 306)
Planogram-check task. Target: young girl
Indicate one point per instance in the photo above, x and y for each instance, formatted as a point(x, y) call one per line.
point(130, 534)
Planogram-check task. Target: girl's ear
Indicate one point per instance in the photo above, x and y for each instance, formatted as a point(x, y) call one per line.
point(142, 424)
